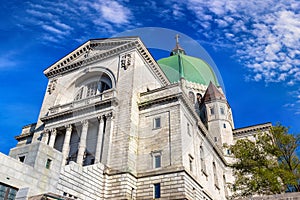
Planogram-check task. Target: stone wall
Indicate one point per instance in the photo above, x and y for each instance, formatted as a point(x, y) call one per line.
point(35, 179)
point(82, 182)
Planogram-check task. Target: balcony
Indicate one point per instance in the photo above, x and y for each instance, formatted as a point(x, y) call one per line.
point(108, 97)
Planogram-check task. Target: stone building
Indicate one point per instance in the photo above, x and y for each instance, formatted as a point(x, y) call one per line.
point(116, 124)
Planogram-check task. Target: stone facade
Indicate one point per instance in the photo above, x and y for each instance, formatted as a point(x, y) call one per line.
point(112, 126)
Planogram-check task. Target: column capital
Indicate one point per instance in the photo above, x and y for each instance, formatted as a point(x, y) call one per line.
point(53, 131)
point(46, 132)
point(110, 115)
point(100, 117)
point(85, 123)
point(69, 127)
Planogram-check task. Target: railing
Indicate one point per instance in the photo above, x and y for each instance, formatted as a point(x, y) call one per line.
point(106, 95)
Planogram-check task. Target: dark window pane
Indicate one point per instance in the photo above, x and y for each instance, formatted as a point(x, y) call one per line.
point(157, 190)
point(157, 161)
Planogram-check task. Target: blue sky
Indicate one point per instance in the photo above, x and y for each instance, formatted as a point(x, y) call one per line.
point(255, 45)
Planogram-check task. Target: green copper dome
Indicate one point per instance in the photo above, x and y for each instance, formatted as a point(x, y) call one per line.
point(191, 68)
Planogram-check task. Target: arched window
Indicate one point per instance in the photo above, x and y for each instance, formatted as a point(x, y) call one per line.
point(93, 87)
point(192, 97)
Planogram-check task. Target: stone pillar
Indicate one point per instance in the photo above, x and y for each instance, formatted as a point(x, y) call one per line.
point(45, 137)
point(66, 145)
point(99, 139)
point(52, 137)
point(82, 143)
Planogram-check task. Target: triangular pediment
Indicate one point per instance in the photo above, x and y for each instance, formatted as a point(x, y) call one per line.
point(87, 52)
point(99, 49)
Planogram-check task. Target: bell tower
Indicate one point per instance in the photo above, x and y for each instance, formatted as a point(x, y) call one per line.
point(216, 114)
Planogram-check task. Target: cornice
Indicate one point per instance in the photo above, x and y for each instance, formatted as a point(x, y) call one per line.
point(19, 137)
point(250, 129)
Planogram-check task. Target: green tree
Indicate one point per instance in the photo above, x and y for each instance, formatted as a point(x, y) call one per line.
point(266, 165)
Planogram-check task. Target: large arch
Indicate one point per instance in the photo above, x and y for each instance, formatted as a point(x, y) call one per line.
point(87, 82)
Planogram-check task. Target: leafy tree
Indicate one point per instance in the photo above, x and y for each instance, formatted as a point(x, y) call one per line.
point(286, 151)
point(268, 164)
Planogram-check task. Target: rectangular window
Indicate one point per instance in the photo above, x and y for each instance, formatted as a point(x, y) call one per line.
point(7, 192)
point(224, 125)
point(215, 175)
point(212, 111)
point(156, 123)
point(216, 139)
point(202, 161)
point(188, 129)
point(157, 161)
point(156, 190)
point(79, 95)
point(91, 89)
point(228, 152)
point(191, 163)
point(222, 110)
point(48, 163)
point(21, 158)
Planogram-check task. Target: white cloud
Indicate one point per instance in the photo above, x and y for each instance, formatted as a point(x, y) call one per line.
point(267, 37)
point(40, 14)
point(52, 29)
point(59, 20)
point(113, 12)
point(62, 25)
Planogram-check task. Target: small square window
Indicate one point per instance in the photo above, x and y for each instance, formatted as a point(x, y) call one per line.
point(157, 161)
point(157, 123)
point(157, 190)
point(21, 158)
point(48, 163)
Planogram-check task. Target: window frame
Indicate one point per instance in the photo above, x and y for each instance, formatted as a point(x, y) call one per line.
point(216, 180)
point(188, 127)
point(202, 161)
point(48, 163)
point(156, 154)
point(156, 191)
point(93, 87)
point(155, 125)
point(222, 110)
point(212, 110)
point(191, 163)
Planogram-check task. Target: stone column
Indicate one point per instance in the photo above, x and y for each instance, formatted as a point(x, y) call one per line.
point(99, 139)
point(82, 143)
point(111, 117)
point(45, 137)
point(66, 145)
point(52, 137)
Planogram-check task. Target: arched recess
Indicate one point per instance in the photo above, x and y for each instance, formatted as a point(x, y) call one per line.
point(86, 83)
